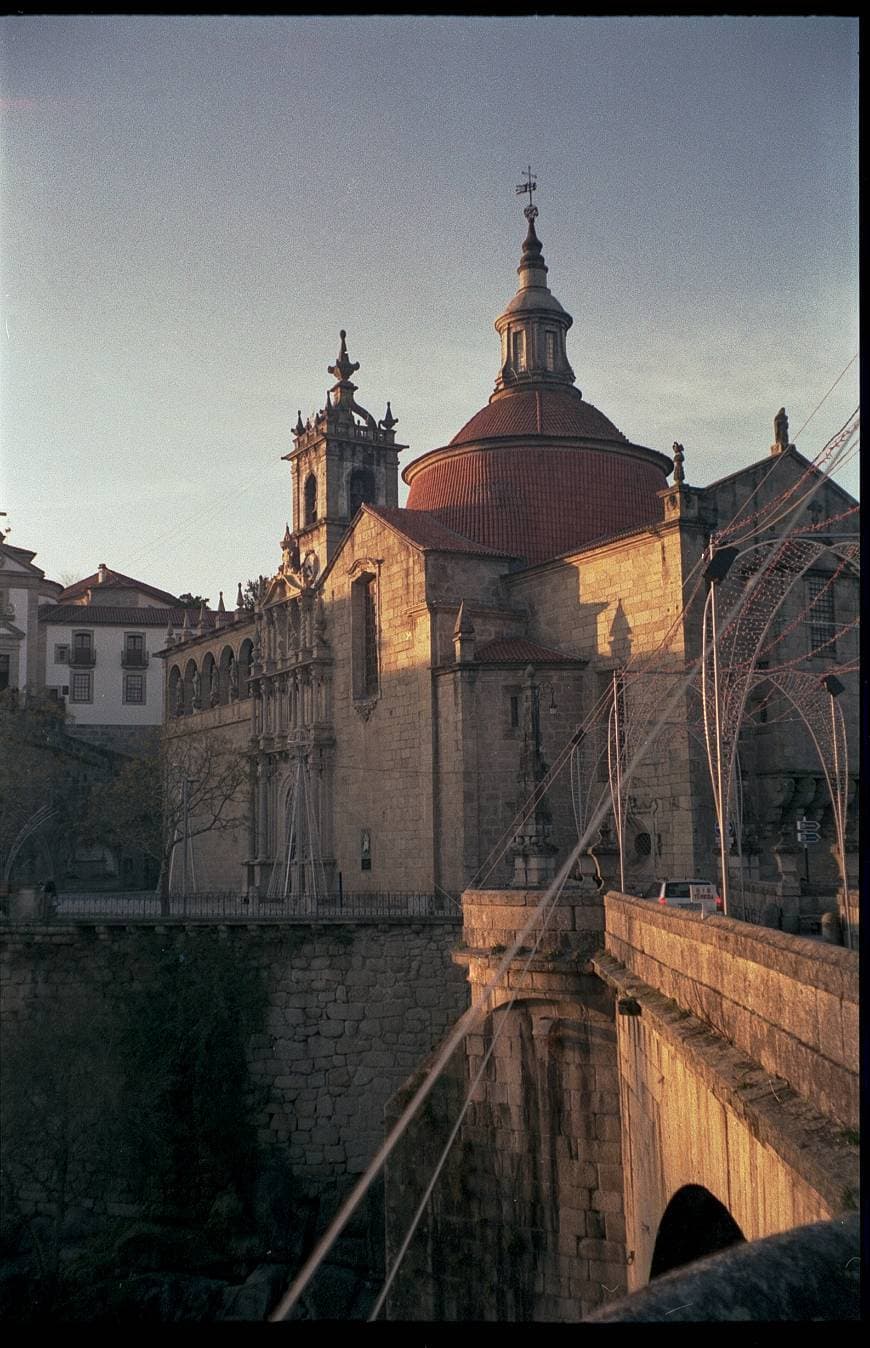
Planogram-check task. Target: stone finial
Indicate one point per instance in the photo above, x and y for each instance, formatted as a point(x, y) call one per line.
point(463, 637)
point(344, 367)
point(240, 601)
point(679, 471)
point(170, 633)
point(388, 421)
point(221, 608)
point(464, 626)
point(185, 626)
point(299, 428)
point(201, 621)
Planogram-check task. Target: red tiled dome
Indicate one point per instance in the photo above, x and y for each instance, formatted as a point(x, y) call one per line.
point(544, 411)
point(537, 473)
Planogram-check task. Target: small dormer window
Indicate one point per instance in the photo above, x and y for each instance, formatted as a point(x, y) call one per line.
point(550, 350)
point(519, 352)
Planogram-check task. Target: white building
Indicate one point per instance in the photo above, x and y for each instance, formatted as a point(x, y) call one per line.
point(99, 638)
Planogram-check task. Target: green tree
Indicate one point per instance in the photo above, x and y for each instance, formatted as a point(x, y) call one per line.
point(188, 600)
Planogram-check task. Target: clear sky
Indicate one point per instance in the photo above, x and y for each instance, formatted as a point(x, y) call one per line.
point(192, 208)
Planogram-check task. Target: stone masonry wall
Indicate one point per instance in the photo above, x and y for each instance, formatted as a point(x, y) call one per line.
point(351, 1010)
point(737, 1068)
point(526, 1219)
point(383, 751)
point(611, 605)
point(790, 1004)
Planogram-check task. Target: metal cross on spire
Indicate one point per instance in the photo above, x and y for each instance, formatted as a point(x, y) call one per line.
point(530, 186)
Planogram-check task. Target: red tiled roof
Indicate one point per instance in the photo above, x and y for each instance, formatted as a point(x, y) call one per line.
point(117, 579)
point(428, 533)
point(538, 502)
point(94, 615)
point(516, 650)
point(544, 411)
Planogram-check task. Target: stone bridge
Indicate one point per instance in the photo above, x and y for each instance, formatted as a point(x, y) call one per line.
point(646, 1088)
point(650, 1088)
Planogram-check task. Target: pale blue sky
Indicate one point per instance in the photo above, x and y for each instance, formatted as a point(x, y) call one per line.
point(192, 208)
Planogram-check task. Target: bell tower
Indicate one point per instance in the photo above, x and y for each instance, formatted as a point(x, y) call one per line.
point(342, 458)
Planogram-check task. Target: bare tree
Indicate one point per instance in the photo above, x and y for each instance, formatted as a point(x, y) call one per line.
point(185, 788)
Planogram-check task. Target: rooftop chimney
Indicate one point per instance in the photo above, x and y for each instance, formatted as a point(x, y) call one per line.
point(101, 573)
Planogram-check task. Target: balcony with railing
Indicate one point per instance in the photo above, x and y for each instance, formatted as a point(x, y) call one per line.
point(134, 659)
point(82, 657)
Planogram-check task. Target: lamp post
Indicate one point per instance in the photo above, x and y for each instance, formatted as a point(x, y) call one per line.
point(717, 569)
point(834, 688)
point(616, 780)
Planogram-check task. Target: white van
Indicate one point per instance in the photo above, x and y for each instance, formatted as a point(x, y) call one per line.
point(698, 896)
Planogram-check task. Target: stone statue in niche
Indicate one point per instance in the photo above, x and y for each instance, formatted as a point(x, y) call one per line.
point(234, 682)
point(197, 690)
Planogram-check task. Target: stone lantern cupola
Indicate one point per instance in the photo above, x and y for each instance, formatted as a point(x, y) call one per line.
point(533, 326)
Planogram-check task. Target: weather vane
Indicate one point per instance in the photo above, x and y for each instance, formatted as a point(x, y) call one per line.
point(530, 211)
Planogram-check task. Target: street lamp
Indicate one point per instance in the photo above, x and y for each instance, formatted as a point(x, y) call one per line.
point(716, 571)
point(834, 688)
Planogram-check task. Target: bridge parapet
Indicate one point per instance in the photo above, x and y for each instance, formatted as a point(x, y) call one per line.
point(789, 1003)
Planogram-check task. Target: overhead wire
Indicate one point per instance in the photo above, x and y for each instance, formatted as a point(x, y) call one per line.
point(476, 1012)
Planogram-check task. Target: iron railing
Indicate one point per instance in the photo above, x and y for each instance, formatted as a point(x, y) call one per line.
point(220, 906)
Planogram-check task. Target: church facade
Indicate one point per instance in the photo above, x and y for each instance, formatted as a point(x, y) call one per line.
point(439, 695)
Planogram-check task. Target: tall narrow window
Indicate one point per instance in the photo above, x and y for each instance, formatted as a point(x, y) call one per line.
point(550, 350)
point(81, 688)
point(134, 688)
point(519, 352)
point(364, 621)
point(311, 499)
point(822, 619)
point(5, 664)
point(134, 650)
point(83, 649)
point(371, 639)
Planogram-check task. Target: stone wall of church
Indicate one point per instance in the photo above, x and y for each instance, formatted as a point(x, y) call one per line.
point(383, 744)
point(611, 605)
point(485, 740)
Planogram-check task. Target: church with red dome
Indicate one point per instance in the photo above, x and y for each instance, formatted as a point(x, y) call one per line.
point(440, 695)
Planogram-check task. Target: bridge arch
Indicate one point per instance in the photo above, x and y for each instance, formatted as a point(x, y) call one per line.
point(693, 1225)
